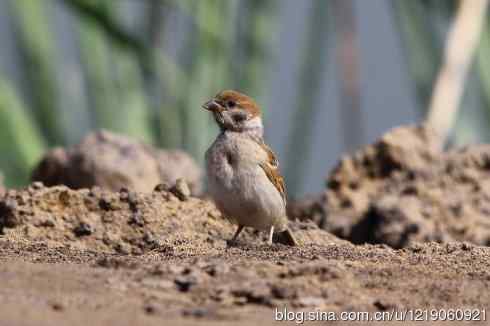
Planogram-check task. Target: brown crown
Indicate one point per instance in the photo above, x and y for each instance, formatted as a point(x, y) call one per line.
point(240, 99)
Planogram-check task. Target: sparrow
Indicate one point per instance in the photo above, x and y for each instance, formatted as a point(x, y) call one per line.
point(243, 172)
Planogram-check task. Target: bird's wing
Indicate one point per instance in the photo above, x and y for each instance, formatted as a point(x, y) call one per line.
point(271, 169)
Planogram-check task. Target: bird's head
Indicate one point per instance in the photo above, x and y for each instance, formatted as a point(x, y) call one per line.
point(236, 112)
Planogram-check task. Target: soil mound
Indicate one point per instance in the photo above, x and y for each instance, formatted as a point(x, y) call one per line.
point(124, 222)
point(402, 190)
point(113, 161)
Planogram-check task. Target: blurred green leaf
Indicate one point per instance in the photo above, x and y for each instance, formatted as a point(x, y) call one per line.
point(36, 44)
point(19, 137)
point(98, 64)
point(132, 103)
point(114, 81)
point(251, 46)
point(422, 47)
point(99, 12)
point(208, 74)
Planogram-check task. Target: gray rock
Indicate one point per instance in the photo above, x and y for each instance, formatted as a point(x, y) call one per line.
point(113, 162)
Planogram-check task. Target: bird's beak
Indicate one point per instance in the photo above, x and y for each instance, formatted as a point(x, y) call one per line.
point(212, 106)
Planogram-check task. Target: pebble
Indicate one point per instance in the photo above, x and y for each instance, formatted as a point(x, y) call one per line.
point(181, 190)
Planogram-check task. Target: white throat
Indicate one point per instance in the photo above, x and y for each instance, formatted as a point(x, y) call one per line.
point(254, 127)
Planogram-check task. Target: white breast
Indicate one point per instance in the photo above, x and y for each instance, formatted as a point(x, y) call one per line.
point(238, 184)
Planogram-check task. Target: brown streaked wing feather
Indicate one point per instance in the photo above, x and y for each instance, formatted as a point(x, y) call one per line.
point(271, 169)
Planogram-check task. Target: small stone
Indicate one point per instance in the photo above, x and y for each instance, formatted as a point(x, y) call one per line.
point(107, 204)
point(132, 201)
point(123, 194)
point(150, 239)
point(21, 199)
point(64, 197)
point(94, 192)
point(57, 306)
point(283, 292)
point(49, 223)
point(382, 305)
point(136, 219)
point(37, 185)
point(217, 269)
point(83, 229)
point(184, 284)
point(123, 248)
point(137, 251)
point(466, 246)
point(107, 218)
point(252, 295)
point(8, 217)
point(161, 187)
point(150, 309)
point(195, 312)
point(181, 190)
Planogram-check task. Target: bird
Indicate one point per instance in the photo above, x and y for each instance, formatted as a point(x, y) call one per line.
point(243, 172)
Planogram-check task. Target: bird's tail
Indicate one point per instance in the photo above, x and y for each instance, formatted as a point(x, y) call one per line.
point(285, 237)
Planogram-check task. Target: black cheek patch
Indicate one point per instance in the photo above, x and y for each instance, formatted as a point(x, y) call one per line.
point(239, 116)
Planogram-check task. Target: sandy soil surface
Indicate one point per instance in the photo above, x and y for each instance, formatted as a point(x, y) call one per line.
point(103, 258)
point(97, 257)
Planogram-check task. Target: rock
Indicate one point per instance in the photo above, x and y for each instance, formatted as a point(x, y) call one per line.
point(255, 293)
point(198, 312)
point(402, 190)
point(113, 162)
point(402, 153)
point(161, 187)
point(9, 216)
point(83, 229)
point(57, 306)
point(150, 309)
point(174, 165)
point(184, 283)
point(181, 189)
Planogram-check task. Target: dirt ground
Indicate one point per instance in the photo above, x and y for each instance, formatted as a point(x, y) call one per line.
point(124, 259)
point(98, 257)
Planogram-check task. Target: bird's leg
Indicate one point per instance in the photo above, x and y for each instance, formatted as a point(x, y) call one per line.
point(271, 233)
point(235, 236)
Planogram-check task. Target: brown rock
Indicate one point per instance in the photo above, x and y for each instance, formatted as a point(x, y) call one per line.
point(402, 190)
point(181, 189)
point(113, 162)
point(403, 152)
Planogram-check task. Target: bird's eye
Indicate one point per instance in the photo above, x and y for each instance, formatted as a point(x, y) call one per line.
point(230, 103)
